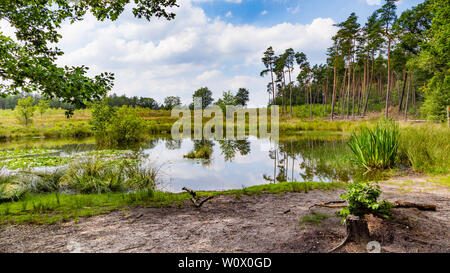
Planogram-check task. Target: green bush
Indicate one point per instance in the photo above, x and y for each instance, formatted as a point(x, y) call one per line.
point(117, 127)
point(362, 199)
point(204, 152)
point(25, 110)
point(376, 148)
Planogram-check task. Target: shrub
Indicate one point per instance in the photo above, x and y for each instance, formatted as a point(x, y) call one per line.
point(117, 127)
point(376, 148)
point(125, 128)
point(204, 152)
point(362, 199)
point(25, 110)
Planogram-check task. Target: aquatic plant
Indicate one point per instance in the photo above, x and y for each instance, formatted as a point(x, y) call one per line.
point(376, 148)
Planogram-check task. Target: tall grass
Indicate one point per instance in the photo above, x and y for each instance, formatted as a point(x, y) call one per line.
point(376, 148)
point(96, 176)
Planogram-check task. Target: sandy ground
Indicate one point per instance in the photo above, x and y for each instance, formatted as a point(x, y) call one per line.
point(264, 223)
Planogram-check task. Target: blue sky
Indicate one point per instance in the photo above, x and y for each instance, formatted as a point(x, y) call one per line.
point(213, 43)
point(269, 12)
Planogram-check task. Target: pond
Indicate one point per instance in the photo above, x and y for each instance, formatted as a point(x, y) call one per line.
point(233, 164)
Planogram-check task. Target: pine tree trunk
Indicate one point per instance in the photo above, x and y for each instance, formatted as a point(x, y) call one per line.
point(405, 78)
point(389, 77)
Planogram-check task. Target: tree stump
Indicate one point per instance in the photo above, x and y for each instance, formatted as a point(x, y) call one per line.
point(357, 231)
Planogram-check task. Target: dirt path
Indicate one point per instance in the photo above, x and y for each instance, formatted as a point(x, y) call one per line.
point(264, 223)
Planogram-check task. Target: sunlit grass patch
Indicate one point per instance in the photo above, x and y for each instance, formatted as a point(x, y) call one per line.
point(56, 207)
point(315, 218)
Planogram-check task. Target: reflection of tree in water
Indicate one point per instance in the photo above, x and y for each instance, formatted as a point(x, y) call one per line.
point(326, 159)
point(230, 147)
point(151, 144)
point(278, 165)
point(201, 144)
point(198, 144)
point(173, 144)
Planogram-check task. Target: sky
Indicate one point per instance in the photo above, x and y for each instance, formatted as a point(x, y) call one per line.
point(212, 43)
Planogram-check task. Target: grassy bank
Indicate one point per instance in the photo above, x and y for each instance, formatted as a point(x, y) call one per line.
point(55, 124)
point(54, 208)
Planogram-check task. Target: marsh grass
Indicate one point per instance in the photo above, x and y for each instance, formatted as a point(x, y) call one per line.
point(426, 148)
point(96, 176)
point(376, 148)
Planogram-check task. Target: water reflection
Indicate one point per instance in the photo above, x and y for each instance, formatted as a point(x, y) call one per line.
point(234, 164)
point(242, 163)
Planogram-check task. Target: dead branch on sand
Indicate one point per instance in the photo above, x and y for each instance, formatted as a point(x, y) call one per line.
point(397, 204)
point(196, 201)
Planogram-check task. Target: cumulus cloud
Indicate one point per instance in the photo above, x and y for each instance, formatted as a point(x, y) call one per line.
point(162, 58)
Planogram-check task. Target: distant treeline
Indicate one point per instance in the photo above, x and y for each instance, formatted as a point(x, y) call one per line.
point(10, 102)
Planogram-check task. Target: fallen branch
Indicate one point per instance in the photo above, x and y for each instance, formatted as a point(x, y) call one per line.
point(397, 204)
point(405, 204)
point(328, 204)
point(196, 200)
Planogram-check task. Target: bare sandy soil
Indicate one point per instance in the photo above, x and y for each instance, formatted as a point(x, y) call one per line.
point(264, 223)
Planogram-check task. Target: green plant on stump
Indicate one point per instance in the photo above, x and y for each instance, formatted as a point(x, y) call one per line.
point(376, 148)
point(362, 199)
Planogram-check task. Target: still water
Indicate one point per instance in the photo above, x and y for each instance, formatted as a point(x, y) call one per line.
point(235, 164)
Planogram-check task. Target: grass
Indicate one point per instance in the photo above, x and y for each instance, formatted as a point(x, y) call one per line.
point(54, 124)
point(315, 218)
point(426, 148)
point(54, 208)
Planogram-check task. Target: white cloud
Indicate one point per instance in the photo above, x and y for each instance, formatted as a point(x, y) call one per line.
point(264, 12)
point(229, 14)
point(373, 2)
point(162, 58)
point(294, 10)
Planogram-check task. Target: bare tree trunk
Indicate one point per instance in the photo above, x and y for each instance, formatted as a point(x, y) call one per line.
point(273, 84)
point(290, 93)
point(333, 99)
point(407, 98)
point(310, 97)
point(348, 90)
point(353, 92)
point(370, 87)
point(389, 76)
point(405, 78)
